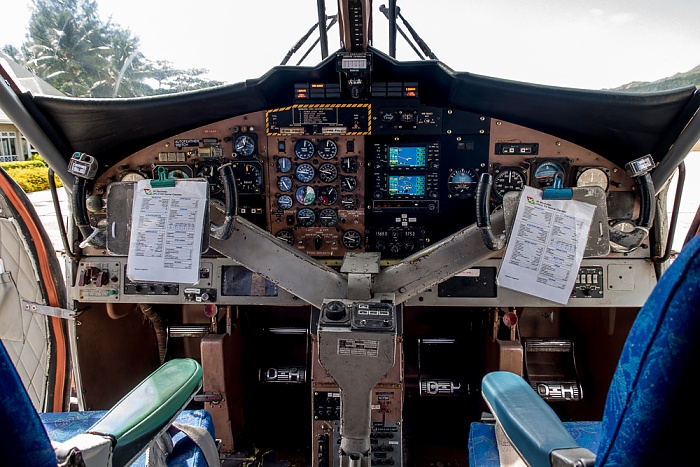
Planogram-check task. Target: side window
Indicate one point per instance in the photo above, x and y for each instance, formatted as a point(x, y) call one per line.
point(8, 146)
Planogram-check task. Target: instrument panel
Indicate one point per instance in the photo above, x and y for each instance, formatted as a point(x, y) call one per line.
point(390, 176)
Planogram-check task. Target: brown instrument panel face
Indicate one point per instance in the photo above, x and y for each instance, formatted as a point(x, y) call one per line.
point(316, 192)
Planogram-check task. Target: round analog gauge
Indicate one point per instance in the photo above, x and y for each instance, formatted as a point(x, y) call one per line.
point(545, 172)
point(328, 217)
point(327, 172)
point(304, 149)
point(593, 176)
point(286, 235)
point(327, 149)
point(305, 195)
point(284, 165)
point(285, 202)
point(349, 164)
point(210, 171)
point(284, 183)
point(348, 202)
point(351, 239)
point(461, 182)
point(249, 178)
point(306, 217)
point(348, 183)
point(305, 172)
point(327, 195)
point(131, 176)
point(244, 145)
point(508, 180)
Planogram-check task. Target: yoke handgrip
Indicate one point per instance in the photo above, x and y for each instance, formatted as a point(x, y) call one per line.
point(228, 179)
point(483, 216)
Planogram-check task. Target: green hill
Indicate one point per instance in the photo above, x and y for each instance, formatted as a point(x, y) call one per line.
point(679, 80)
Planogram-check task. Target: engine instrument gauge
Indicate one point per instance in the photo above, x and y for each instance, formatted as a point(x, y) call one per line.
point(349, 164)
point(305, 195)
point(327, 172)
point(543, 176)
point(244, 146)
point(284, 165)
point(210, 171)
point(348, 202)
point(284, 183)
point(327, 149)
point(285, 202)
point(305, 172)
point(286, 235)
point(249, 177)
point(508, 179)
point(351, 239)
point(131, 176)
point(327, 195)
point(328, 217)
point(462, 182)
point(593, 176)
point(304, 149)
point(348, 183)
point(306, 217)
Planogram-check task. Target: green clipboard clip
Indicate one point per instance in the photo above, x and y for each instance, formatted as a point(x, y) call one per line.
point(163, 180)
point(557, 190)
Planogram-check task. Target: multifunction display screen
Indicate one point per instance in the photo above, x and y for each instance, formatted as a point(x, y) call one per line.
point(406, 185)
point(407, 156)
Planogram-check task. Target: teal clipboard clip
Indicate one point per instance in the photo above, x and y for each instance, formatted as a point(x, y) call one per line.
point(557, 190)
point(163, 180)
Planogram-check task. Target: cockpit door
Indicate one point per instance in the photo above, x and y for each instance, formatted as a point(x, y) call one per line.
point(32, 291)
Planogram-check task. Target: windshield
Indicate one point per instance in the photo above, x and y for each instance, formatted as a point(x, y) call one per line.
point(126, 48)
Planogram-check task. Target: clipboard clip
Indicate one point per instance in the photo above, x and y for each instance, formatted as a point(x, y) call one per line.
point(163, 180)
point(557, 190)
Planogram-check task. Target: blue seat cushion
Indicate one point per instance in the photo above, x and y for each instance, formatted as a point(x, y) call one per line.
point(62, 426)
point(483, 451)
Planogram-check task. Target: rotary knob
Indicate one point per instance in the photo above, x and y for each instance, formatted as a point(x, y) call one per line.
point(335, 310)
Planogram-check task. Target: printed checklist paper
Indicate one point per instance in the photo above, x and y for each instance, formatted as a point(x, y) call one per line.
point(166, 232)
point(546, 246)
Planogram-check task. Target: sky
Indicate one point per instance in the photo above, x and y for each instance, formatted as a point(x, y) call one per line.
point(590, 44)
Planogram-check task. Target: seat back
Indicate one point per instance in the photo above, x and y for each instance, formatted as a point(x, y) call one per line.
point(24, 440)
point(650, 408)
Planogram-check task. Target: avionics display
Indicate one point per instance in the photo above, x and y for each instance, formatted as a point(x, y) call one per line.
point(407, 156)
point(406, 185)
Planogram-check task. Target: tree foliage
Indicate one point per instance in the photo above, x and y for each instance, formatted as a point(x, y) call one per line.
point(80, 55)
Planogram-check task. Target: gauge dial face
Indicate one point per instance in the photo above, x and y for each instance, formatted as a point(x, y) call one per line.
point(508, 180)
point(349, 164)
point(249, 178)
point(327, 172)
point(305, 172)
point(285, 202)
point(328, 217)
point(306, 217)
point(304, 149)
point(327, 195)
point(348, 202)
point(348, 183)
point(244, 145)
point(351, 239)
point(284, 183)
point(305, 195)
point(131, 176)
point(284, 165)
point(327, 149)
point(286, 235)
point(593, 176)
point(544, 174)
point(209, 170)
point(462, 182)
